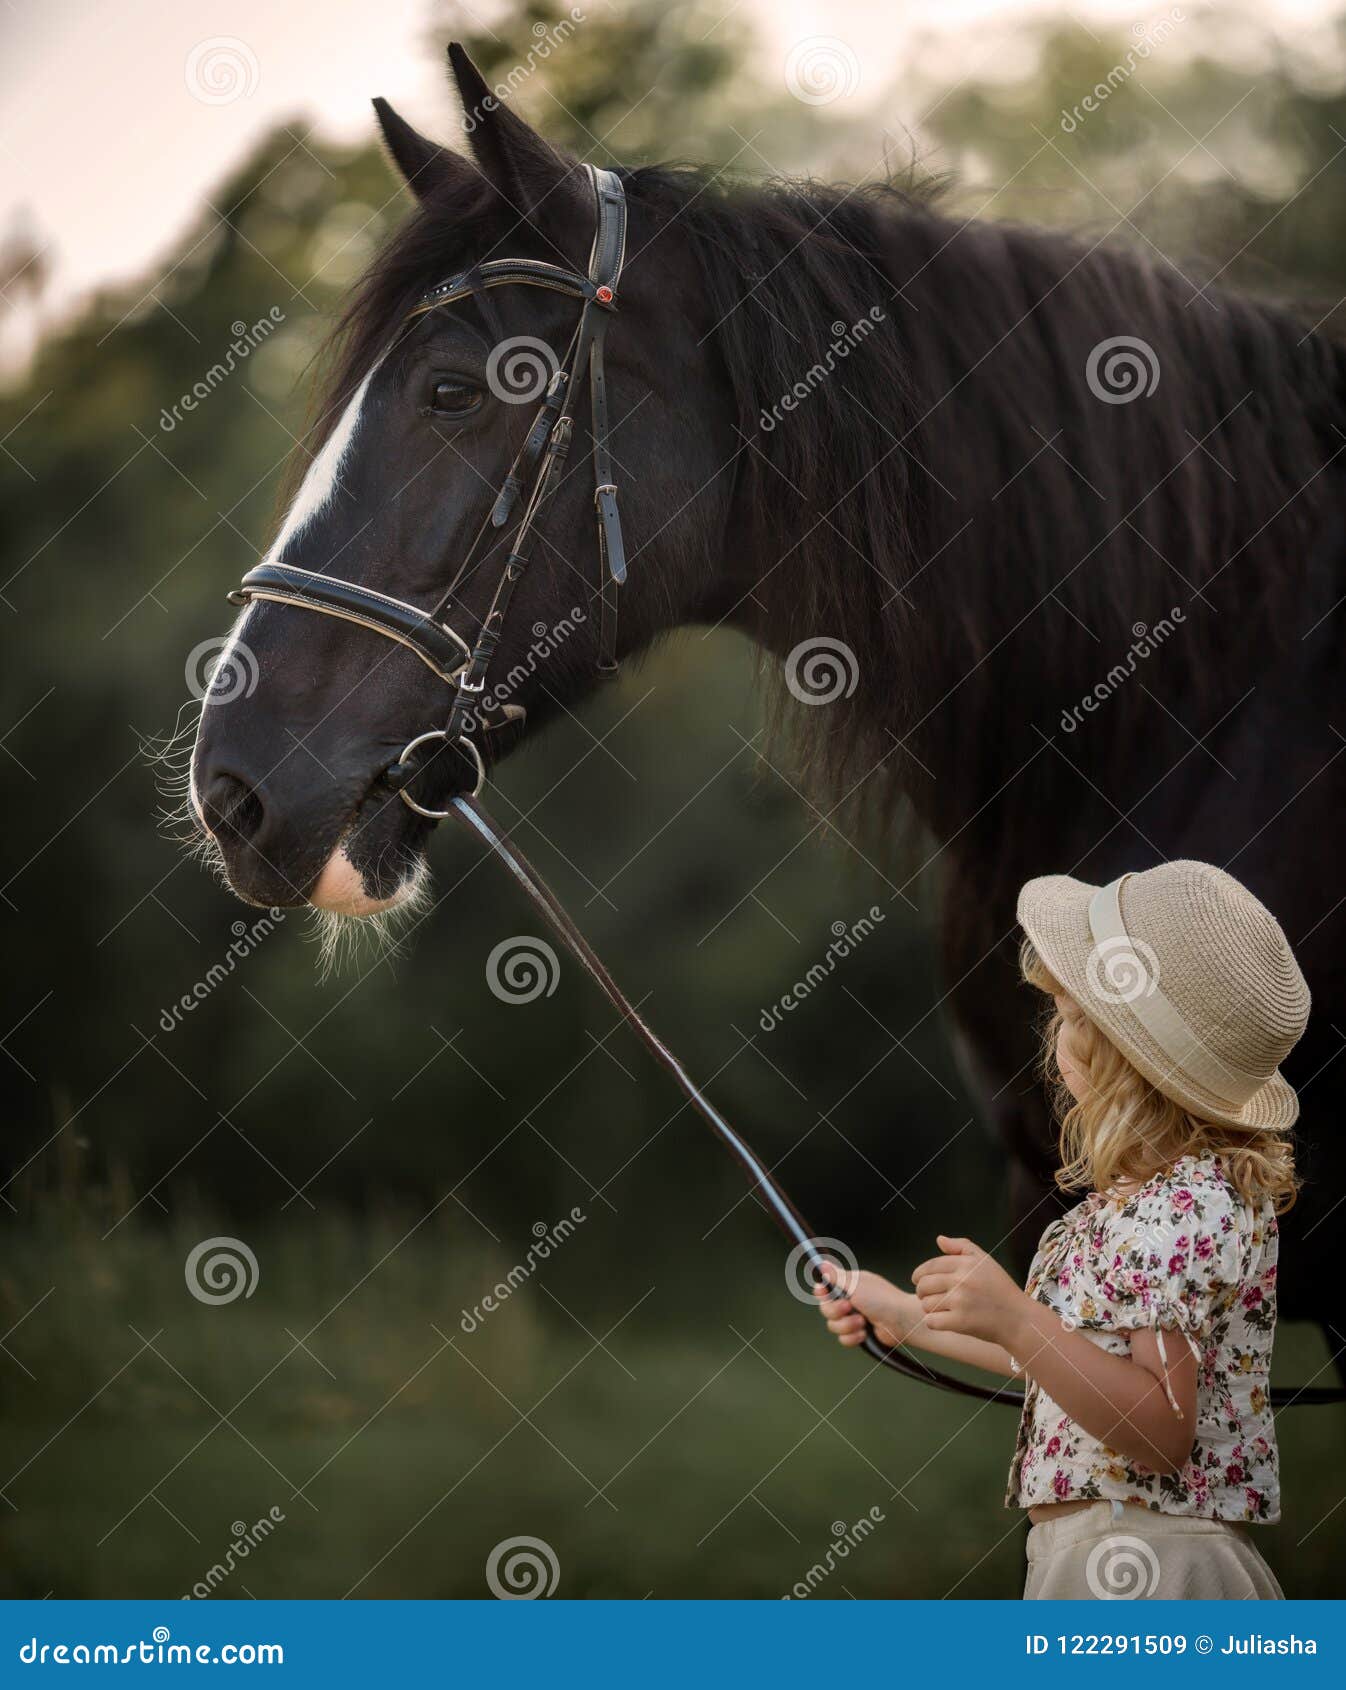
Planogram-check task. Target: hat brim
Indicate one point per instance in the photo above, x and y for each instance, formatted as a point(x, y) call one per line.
point(1054, 913)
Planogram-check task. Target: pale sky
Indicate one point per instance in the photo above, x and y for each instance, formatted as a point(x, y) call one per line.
point(108, 146)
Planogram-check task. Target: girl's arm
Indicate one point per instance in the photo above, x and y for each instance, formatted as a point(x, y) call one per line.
point(897, 1318)
point(1139, 1405)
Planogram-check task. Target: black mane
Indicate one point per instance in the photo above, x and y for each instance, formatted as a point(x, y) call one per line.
point(953, 498)
point(950, 495)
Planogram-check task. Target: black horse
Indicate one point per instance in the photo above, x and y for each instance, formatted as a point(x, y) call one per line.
point(1064, 525)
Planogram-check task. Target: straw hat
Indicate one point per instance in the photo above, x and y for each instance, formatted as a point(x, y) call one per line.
point(1189, 975)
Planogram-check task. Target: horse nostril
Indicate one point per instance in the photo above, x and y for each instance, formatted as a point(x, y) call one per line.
point(231, 807)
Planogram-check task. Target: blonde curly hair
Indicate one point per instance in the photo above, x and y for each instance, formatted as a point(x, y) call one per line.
point(1126, 1131)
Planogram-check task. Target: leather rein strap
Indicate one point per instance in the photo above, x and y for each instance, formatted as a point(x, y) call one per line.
point(763, 1182)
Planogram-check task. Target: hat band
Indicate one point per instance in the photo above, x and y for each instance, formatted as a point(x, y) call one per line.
point(1120, 971)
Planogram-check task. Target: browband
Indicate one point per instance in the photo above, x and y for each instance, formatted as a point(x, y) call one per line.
point(500, 272)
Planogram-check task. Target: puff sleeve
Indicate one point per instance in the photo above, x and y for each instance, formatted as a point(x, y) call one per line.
point(1173, 1258)
point(1174, 1255)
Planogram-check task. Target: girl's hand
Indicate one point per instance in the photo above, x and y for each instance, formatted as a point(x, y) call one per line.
point(965, 1290)
point(865, 1296)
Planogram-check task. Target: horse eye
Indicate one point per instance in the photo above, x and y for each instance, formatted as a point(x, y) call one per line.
point(451, 398)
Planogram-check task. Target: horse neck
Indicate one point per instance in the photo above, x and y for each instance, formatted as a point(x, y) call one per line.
point(1024, 536)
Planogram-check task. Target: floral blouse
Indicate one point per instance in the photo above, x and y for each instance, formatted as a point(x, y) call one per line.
point(1183, 1254)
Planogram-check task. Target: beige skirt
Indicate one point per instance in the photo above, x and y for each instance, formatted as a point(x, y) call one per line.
point(1116, 1551)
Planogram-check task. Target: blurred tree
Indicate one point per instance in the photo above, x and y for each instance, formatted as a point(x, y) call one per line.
point(127, 515)
point(556, 63)
point(1205, 139)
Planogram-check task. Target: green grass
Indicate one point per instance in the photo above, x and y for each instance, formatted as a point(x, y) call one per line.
point(676, 1460)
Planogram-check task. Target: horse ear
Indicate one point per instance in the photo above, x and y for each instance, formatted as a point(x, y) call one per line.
point(523, 168)
point(423, 163)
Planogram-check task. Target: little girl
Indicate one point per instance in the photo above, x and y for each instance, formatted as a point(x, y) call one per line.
point(1144, 1334)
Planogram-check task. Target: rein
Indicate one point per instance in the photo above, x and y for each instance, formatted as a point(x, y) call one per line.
point(764, 1184)
point(760, 1178)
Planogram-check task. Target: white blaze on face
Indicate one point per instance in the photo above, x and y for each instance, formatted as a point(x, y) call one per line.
point(315, 492)
point(323, 475)
point(341, 887)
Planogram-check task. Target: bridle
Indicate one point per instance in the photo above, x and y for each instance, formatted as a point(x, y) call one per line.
point(532, 478)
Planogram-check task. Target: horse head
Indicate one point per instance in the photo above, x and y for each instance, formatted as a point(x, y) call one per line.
point(437, 393)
